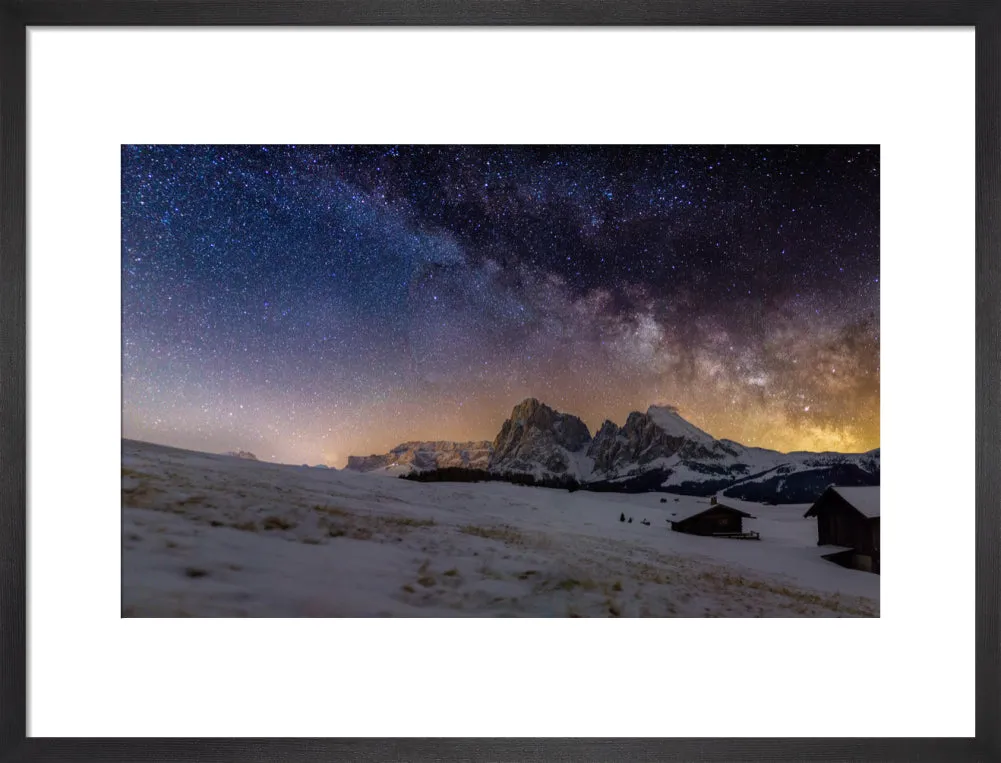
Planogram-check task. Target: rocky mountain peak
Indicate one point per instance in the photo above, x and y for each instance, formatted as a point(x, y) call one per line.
point(608, 429)
point(538, 439)
point(671, 422)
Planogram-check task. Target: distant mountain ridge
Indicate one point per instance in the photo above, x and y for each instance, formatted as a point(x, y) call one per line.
point(421, 456)
point(656, 450)
point(241, 454)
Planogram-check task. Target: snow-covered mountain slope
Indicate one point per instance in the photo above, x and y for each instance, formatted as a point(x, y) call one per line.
point(667, 418)
point(802, 477)
point(423, 456)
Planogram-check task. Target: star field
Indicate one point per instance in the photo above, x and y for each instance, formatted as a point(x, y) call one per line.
point(308, 303)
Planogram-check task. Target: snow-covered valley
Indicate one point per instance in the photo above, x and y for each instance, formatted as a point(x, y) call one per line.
point(221, 536)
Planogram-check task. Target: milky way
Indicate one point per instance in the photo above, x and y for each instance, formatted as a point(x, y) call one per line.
point(307, 303)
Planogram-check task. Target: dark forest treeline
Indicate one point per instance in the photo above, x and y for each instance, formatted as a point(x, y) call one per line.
point(647, 482)
point(463, 474)
point(803, 487)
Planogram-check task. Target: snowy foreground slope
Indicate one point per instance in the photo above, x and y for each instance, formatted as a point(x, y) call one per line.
point(218, 536)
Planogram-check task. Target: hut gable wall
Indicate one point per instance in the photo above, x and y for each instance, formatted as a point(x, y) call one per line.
point(717, 519)
point(841, 524)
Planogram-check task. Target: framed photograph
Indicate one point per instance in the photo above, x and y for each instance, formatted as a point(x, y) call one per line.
point(332, 359)
point(362, 363)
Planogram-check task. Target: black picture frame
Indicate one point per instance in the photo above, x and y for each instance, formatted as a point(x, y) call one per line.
point(17, 15)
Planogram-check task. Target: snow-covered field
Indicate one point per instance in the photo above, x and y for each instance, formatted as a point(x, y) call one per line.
point(218, 536)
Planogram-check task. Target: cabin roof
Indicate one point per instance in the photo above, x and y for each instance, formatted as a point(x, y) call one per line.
point(865, 500)
point(681, 514)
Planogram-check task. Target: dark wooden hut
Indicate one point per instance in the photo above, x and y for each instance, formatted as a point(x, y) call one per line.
point(848, 519)
point(712, 519)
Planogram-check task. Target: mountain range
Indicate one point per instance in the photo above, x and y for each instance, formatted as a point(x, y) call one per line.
point(657, 450)
point(421, 456)
point(241, 454)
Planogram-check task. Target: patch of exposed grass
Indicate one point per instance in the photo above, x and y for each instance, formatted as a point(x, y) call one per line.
point(650, 574)
point(245, 526)
point(426, 580)
point(277, 523)
point(333, 510)
point(311, 541)
point(139, 496)
point(570, 584)
point(366, 526)
point(617, 586)
point(409, 588)
point(800, 601)
point(450, 573)
point(503, 533)
point(406, 521)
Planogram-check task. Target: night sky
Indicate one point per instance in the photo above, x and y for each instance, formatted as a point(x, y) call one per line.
point(308, 303)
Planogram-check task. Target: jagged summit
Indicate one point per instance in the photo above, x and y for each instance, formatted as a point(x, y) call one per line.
point(532, 414)
point(541, 441)
point(668, 407)
point(528, 405)
point(670, 420)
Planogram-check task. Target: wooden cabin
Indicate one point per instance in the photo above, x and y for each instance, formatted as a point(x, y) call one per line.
point(848, 519)
point(712, 519)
